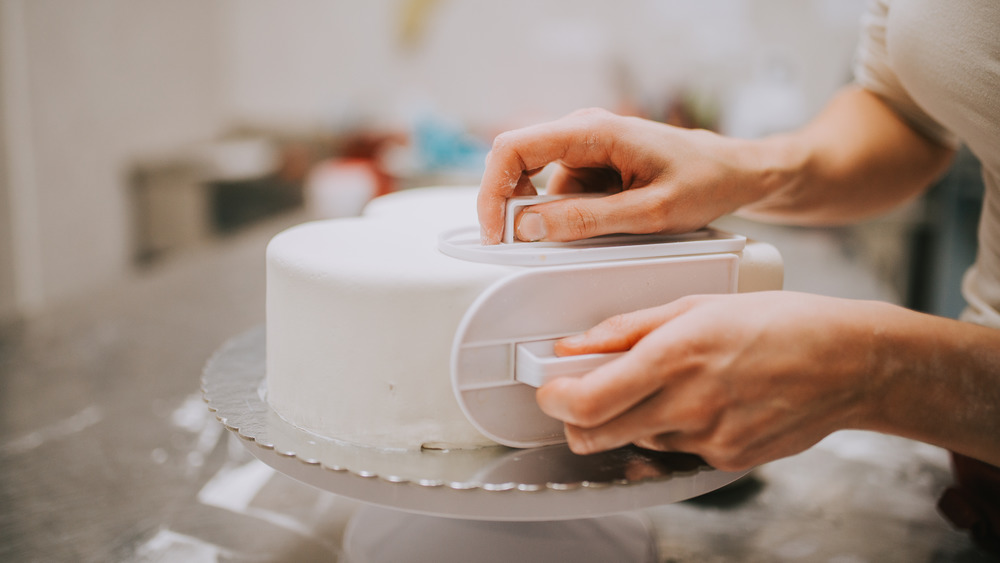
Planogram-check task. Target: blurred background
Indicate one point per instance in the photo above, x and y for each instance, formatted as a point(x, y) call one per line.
point(150, 149)
point(136, 131)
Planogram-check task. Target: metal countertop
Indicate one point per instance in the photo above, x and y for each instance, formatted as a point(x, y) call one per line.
point(108, 452)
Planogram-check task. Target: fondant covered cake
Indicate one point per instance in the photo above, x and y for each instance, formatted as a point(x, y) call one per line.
point(361, 314)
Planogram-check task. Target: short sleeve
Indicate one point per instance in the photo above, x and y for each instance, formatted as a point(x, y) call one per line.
point(873, 71)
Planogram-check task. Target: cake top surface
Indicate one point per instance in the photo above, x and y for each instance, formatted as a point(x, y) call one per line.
point(394, 242)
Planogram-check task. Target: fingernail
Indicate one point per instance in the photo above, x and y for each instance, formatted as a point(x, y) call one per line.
point(531, 227)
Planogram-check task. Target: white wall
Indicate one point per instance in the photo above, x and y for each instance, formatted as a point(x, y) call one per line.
point(8, 303)
point(96, 84)
point(89, 86)
point(18, 268)
point(494, 63)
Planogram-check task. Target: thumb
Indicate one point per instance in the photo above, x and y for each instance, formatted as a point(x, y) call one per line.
point(633, 211)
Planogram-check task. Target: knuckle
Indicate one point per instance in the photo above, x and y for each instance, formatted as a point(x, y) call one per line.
point(716, 462)
point(725, 463)
point(617, 333)
point(580, 443)
point(650, 443)
point(660, 442)
point(501, 141)
point(595, 118)
point(688, 302)
point(584, 411)
point(582, 222)
point(725, 455)
point(617, 323)
point(661, 206)
point(594, 112)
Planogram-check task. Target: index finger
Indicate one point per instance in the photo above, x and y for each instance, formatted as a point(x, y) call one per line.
point(577, 140)
point(624, 382)
point(603, 394)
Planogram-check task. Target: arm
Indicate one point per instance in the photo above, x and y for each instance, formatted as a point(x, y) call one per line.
point(748, 378)
point(856, 159)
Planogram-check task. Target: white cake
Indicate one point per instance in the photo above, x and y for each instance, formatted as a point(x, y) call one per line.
point(361, 315)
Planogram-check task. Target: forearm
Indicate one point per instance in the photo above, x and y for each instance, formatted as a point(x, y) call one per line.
point(857, 159)
point(936, 380)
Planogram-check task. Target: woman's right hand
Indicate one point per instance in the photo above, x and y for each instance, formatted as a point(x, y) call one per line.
point(663, 178)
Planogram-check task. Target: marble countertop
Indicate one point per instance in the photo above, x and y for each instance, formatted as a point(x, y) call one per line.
point(108, 452)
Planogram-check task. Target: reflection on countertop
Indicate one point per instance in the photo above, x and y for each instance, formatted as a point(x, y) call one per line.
point(108, 453)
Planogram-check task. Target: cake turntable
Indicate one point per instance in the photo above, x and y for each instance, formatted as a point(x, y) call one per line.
point(474, 501)
point(493, 483)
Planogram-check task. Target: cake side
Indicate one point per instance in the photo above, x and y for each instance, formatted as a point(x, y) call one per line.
point(360, 321)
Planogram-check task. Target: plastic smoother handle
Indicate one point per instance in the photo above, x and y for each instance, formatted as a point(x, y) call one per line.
point(536, 364)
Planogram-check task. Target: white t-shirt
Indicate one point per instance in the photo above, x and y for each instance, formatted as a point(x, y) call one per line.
point(937, 63)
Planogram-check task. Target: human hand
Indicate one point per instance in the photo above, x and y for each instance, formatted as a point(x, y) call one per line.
point(738, 379)
point(666, 178)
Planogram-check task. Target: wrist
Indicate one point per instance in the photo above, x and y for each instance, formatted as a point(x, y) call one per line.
point(776, 166)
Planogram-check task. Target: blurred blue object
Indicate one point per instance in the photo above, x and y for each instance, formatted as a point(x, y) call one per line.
point(443, 145)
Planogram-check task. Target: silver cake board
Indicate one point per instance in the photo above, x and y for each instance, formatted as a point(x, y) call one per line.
point(494, 483)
